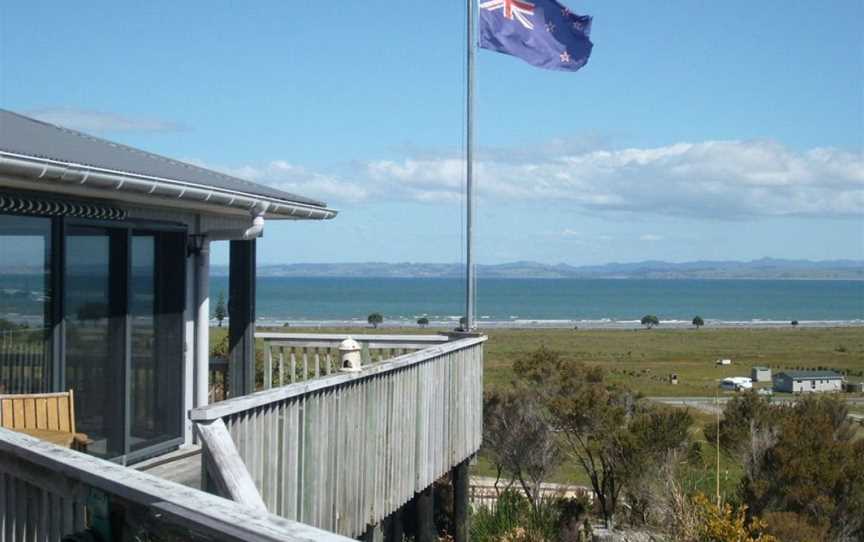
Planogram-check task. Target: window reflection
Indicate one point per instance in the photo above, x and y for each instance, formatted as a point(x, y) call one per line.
point(25, 335)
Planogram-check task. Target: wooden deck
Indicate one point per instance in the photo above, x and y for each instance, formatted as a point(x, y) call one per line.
point(182, 466)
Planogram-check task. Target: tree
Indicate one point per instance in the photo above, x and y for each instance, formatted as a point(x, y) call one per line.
point(220, 312)
point(650, 320)
point(92, 311)
point(794, 323)
point(801, 458)
point(463, 322)
point(698, 321)
point(375, 319)
point(654, 438)
point(601, 425)
point(423, 322)
point(520, 440)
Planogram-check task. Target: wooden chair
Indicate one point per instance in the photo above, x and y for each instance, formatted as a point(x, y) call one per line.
point(46, 416)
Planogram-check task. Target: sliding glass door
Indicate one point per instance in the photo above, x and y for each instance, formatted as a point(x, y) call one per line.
point(124, 302)
point(97, 306)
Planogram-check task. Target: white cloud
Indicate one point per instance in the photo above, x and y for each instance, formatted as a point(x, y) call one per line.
point(87, 120)
point(298, 180)
point(711, 179)
point(650, 237)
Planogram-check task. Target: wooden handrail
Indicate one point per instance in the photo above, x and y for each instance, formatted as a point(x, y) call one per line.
point(66, 476)
point(265, 397)
point(394, 339)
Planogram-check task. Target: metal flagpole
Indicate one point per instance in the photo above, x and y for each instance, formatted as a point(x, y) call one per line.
point(469, 159)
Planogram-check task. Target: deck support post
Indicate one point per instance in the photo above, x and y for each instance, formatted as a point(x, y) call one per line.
point(241, 318)
point(394, 527)
point(460, 476)
point(375, 533)
point(425, 506)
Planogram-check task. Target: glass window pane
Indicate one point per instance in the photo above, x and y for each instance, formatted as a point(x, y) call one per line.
point(25, 304)
point(94, 308)
point(156, 297)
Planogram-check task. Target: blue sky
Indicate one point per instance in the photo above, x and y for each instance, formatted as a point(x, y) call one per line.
point(698, 130)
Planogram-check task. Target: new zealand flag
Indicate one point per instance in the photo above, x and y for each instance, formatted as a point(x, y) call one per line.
point(543, 33)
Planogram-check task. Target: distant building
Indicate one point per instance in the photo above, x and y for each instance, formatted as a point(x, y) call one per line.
point(760, 374)
point(808, 381)
point(723, 362)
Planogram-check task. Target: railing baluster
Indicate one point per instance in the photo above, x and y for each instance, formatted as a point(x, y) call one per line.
point(268, 369)
point(281, 365)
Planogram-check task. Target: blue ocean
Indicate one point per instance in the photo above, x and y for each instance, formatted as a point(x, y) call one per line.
point(556, 302)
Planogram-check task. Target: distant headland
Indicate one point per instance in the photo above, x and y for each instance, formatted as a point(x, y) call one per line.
point(765, 268)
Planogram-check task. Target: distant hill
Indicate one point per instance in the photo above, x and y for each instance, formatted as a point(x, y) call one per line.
point(765, 268)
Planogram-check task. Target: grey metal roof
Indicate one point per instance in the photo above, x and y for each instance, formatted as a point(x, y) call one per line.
point(30, 137)
point(811, 375)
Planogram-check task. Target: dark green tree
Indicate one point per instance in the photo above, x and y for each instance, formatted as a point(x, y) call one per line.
point(375, 319)
point(698, 321)
point(650, 320)
point(794, 323)
point(423, 322)
point(802, 459)
point(92, 311)
point(220, 311)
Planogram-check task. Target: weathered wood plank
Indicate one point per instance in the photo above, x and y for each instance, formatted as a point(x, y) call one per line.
point(225, 466)
point(258, 399)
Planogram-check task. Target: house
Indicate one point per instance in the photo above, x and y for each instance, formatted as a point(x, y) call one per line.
point(808, 381)
point(736, 383)
point(723, 362)
point(104, 290)
point(760, 374)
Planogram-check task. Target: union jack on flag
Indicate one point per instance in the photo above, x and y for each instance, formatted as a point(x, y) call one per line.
point(543, 33)
point(519, 9)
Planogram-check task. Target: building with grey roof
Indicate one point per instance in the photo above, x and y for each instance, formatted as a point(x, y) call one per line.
point(104, 263)
point(807, 381)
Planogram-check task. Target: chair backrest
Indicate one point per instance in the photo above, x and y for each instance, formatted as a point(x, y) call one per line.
point(50, 411)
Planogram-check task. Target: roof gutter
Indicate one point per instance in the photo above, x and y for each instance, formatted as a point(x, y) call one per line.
point(252, 232)
point(157, 187)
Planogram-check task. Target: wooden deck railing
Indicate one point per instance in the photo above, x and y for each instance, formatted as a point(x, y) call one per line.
point(25, 361)
point(294, 357)
point(47, 492)
point(342, 452)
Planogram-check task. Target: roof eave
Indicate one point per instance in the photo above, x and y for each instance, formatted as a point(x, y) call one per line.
point(155, 188)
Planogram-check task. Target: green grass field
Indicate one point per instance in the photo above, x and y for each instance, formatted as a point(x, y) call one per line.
point(643, 359)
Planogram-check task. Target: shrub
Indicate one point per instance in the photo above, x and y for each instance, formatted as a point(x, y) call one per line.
point(792, 527)
point(513, 519)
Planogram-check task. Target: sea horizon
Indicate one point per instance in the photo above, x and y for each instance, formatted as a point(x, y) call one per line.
point(553, 302)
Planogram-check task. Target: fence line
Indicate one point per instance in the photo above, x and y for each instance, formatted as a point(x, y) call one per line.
point(344, 451)
point(296, 357)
